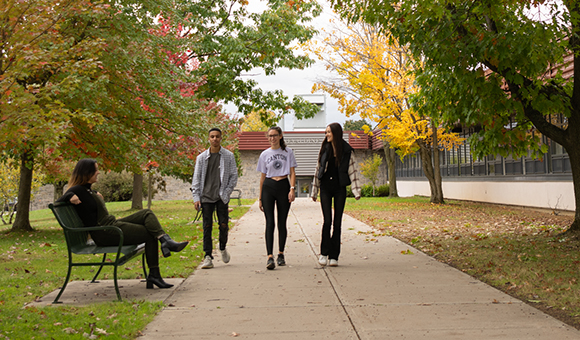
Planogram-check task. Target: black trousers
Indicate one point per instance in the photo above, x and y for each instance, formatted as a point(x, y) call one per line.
point(275, 195)
point(207, 210)
point(142, 226)
point(330, 243)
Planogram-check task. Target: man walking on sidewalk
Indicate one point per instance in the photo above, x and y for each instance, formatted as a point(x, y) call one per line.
point(214, 179)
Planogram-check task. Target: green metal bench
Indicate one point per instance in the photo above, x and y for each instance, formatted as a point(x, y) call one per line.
point(236, 194)
point(77, 237)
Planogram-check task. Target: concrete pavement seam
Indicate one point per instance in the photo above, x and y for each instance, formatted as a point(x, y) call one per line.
point(311, 245)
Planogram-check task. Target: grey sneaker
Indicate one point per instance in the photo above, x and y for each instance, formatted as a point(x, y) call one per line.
point(207, 262)
point(333, 263)
point(323, 260)
point(225, 255)
point(270, 265)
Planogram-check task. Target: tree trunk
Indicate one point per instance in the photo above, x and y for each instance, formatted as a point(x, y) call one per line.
point(58, 189)
point(427, 162)
point(137, 199)
point(22, 220)
point(149, 189)
point(390, 157)
point(574, 154)
point(437, 164)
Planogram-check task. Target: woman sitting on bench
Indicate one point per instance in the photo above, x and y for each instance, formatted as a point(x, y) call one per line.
point(140, 227)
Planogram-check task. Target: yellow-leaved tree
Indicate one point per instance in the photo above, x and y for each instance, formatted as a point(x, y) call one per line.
point(9, 180)
point(375, 81)
point(259, 120)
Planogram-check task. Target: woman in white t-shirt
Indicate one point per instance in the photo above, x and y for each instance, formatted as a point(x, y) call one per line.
point(277, 165)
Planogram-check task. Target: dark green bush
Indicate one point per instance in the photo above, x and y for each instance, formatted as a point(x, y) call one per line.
point(349, 192)
point(382, 190)
point(115, 186)
point(366, 190)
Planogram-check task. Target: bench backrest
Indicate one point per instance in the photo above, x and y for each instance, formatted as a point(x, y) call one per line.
point(67, 217)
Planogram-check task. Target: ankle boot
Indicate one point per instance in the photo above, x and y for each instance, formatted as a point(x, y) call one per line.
point(168, 245)
point(155, 278)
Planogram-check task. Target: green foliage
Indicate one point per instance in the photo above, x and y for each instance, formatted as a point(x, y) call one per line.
point(118, 186)
point(115, 186)
point(37, 262)
point(247, 41)
point(367, 190)
point(370, 168)
point(497, 67)
point(382, 190)
point(354, 125)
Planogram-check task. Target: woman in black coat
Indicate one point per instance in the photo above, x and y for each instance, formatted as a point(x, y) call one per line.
point(334, 172)
point(140, 227)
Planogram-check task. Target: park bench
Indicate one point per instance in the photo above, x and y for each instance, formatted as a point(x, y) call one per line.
point(236, 194)
point(79, 243)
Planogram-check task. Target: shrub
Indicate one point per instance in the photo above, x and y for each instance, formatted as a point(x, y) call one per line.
point(366, 190)
point(349, 192)
point(118, 187)
point(382, 190)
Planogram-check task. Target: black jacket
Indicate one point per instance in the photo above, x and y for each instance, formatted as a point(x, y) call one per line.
point(343, 177)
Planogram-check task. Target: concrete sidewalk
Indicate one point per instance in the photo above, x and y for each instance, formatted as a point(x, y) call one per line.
point(376, 292)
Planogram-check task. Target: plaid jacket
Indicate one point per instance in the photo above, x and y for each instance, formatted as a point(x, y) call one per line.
point(352, 174)
point(228, 175)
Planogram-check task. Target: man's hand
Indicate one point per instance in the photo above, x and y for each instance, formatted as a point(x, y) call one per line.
point(357, 198)
point(197, 205)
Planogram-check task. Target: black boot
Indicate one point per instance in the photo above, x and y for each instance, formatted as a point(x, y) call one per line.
point(155, 278)
point(168, 245)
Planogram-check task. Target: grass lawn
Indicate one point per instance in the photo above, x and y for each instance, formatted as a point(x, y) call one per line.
point(33, 264)
point(514, 249)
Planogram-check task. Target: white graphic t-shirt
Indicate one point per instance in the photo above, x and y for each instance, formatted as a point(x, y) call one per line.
point(276, 162)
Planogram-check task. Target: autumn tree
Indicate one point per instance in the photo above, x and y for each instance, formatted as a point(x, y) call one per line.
point(376, 81)
point(370, 168)
point(9, 181)
point(254, 121)
point(83, 79)
point(355, 125)
point(486, 66)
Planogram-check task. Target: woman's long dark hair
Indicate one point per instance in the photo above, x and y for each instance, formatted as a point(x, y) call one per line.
point(83, 171)
point(282, 142)
point(337, 142)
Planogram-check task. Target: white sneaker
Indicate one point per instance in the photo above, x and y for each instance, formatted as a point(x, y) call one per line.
point(333, 263)
point(207, 262)
point(225, 255)
point(322, 260)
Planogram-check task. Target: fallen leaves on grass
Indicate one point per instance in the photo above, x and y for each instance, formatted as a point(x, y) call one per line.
point(519, 251)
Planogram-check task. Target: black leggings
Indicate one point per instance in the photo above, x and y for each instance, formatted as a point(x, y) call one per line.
point(330, 243)
point(275, 193)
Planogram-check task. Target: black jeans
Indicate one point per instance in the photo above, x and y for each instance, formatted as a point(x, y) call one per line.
point(207, 210)
point(330, 244)
point(275, 193)
point(142, 226)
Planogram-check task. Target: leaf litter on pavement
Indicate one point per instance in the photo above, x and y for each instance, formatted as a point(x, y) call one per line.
point(518, 250)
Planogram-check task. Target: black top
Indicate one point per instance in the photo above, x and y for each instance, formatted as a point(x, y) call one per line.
point(88, 209)
point(327, 162)
point(211, 187)
point(331, 173)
